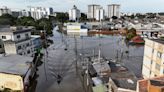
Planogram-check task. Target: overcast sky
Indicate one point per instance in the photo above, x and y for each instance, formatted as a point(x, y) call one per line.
point(65, 5)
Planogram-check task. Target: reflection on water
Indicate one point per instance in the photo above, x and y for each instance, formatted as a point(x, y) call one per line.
point(112, 47)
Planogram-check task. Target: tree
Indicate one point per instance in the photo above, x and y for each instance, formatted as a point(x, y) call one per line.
point(114, 17)
point(26, 21)
point(46, 24)
point(83, 17)
point(130, 33)
point(7, 19)
point(62, 17)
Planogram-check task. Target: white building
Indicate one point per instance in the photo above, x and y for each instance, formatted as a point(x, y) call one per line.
point(17, 40)
point(40, 12)
point(92, 11)
point(4, 10)
point(74, 13)
point(100, 14)
point(153, 61)
point(24, 13)
point(76, 27)
point(113, 10)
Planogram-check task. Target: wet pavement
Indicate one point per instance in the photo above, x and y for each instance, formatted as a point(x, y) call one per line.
point(60, 59)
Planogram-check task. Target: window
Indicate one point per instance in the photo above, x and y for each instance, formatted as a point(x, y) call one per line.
point(18, 36)
point(157, 66)
point(26, 35)
point(28, 52)
point(27, 44)
point(159, 54)
point(152, 50)
point(3, 37)
point(19, 47)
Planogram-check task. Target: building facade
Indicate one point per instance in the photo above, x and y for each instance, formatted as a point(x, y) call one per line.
point(92, 11)
point(153, 61)
point(40, 12)
point(17, 41)
point(4, 10)
point(100, 13)
point(113, 10)
point(74, 14)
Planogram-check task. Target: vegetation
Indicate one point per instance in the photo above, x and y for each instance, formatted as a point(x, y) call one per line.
point(130, 33)
point(83, 17)
point(40, 24)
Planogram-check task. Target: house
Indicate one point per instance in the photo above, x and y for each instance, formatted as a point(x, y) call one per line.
point(121, 79)
point(16, 67)
point(155, 84)
point(17, 40)
point(77, 27)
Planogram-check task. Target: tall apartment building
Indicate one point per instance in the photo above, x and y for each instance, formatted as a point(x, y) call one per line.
point(40, 12)
point(74, 13)
point(17, 40)
point(100, 13)
point(24, 13)
point(4, 10)
point(153, 62)
point(113, 10)
point(92, 11)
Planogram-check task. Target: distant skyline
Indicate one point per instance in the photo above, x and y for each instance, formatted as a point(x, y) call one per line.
point(133, 6)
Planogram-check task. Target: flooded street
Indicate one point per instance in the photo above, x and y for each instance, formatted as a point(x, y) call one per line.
point(60, 59)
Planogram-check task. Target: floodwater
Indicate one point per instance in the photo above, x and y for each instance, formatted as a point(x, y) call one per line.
point(60, 59)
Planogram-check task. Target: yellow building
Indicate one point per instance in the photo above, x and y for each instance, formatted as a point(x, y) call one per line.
point(153, 62)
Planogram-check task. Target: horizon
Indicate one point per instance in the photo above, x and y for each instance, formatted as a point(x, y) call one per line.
point(127, 6)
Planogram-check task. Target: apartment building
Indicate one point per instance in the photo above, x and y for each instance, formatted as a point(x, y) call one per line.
point(74, 13)
point(92, 11)
point(113, 10)
point(40, 12)
point(17, 40)
point(153, 62)
point(4, 10)
point(100, 13)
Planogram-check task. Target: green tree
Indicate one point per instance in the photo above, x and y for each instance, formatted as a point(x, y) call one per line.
point(7, 19)
point(130, 33)
point(26, 21)
point(83, 17)
point(46, 24)
point(62, 17)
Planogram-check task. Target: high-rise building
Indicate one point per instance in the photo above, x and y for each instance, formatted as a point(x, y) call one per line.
point(24, 13)
point(40, 12)
point(113, 10)
point(153, 61)
point(74, 13)
point(4, 10)
point(92, 11)
point(100, 14)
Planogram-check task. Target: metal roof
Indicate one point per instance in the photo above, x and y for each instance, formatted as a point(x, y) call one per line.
point(15, 64)
point(126, 80)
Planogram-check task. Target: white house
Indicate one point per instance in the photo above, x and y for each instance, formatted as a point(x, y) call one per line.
point(17, 40)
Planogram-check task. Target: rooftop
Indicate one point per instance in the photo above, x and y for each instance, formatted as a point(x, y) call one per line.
point(126, 80)
point(158, 40)
point(157, 81)
point(15, 64)
point(14, 30)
